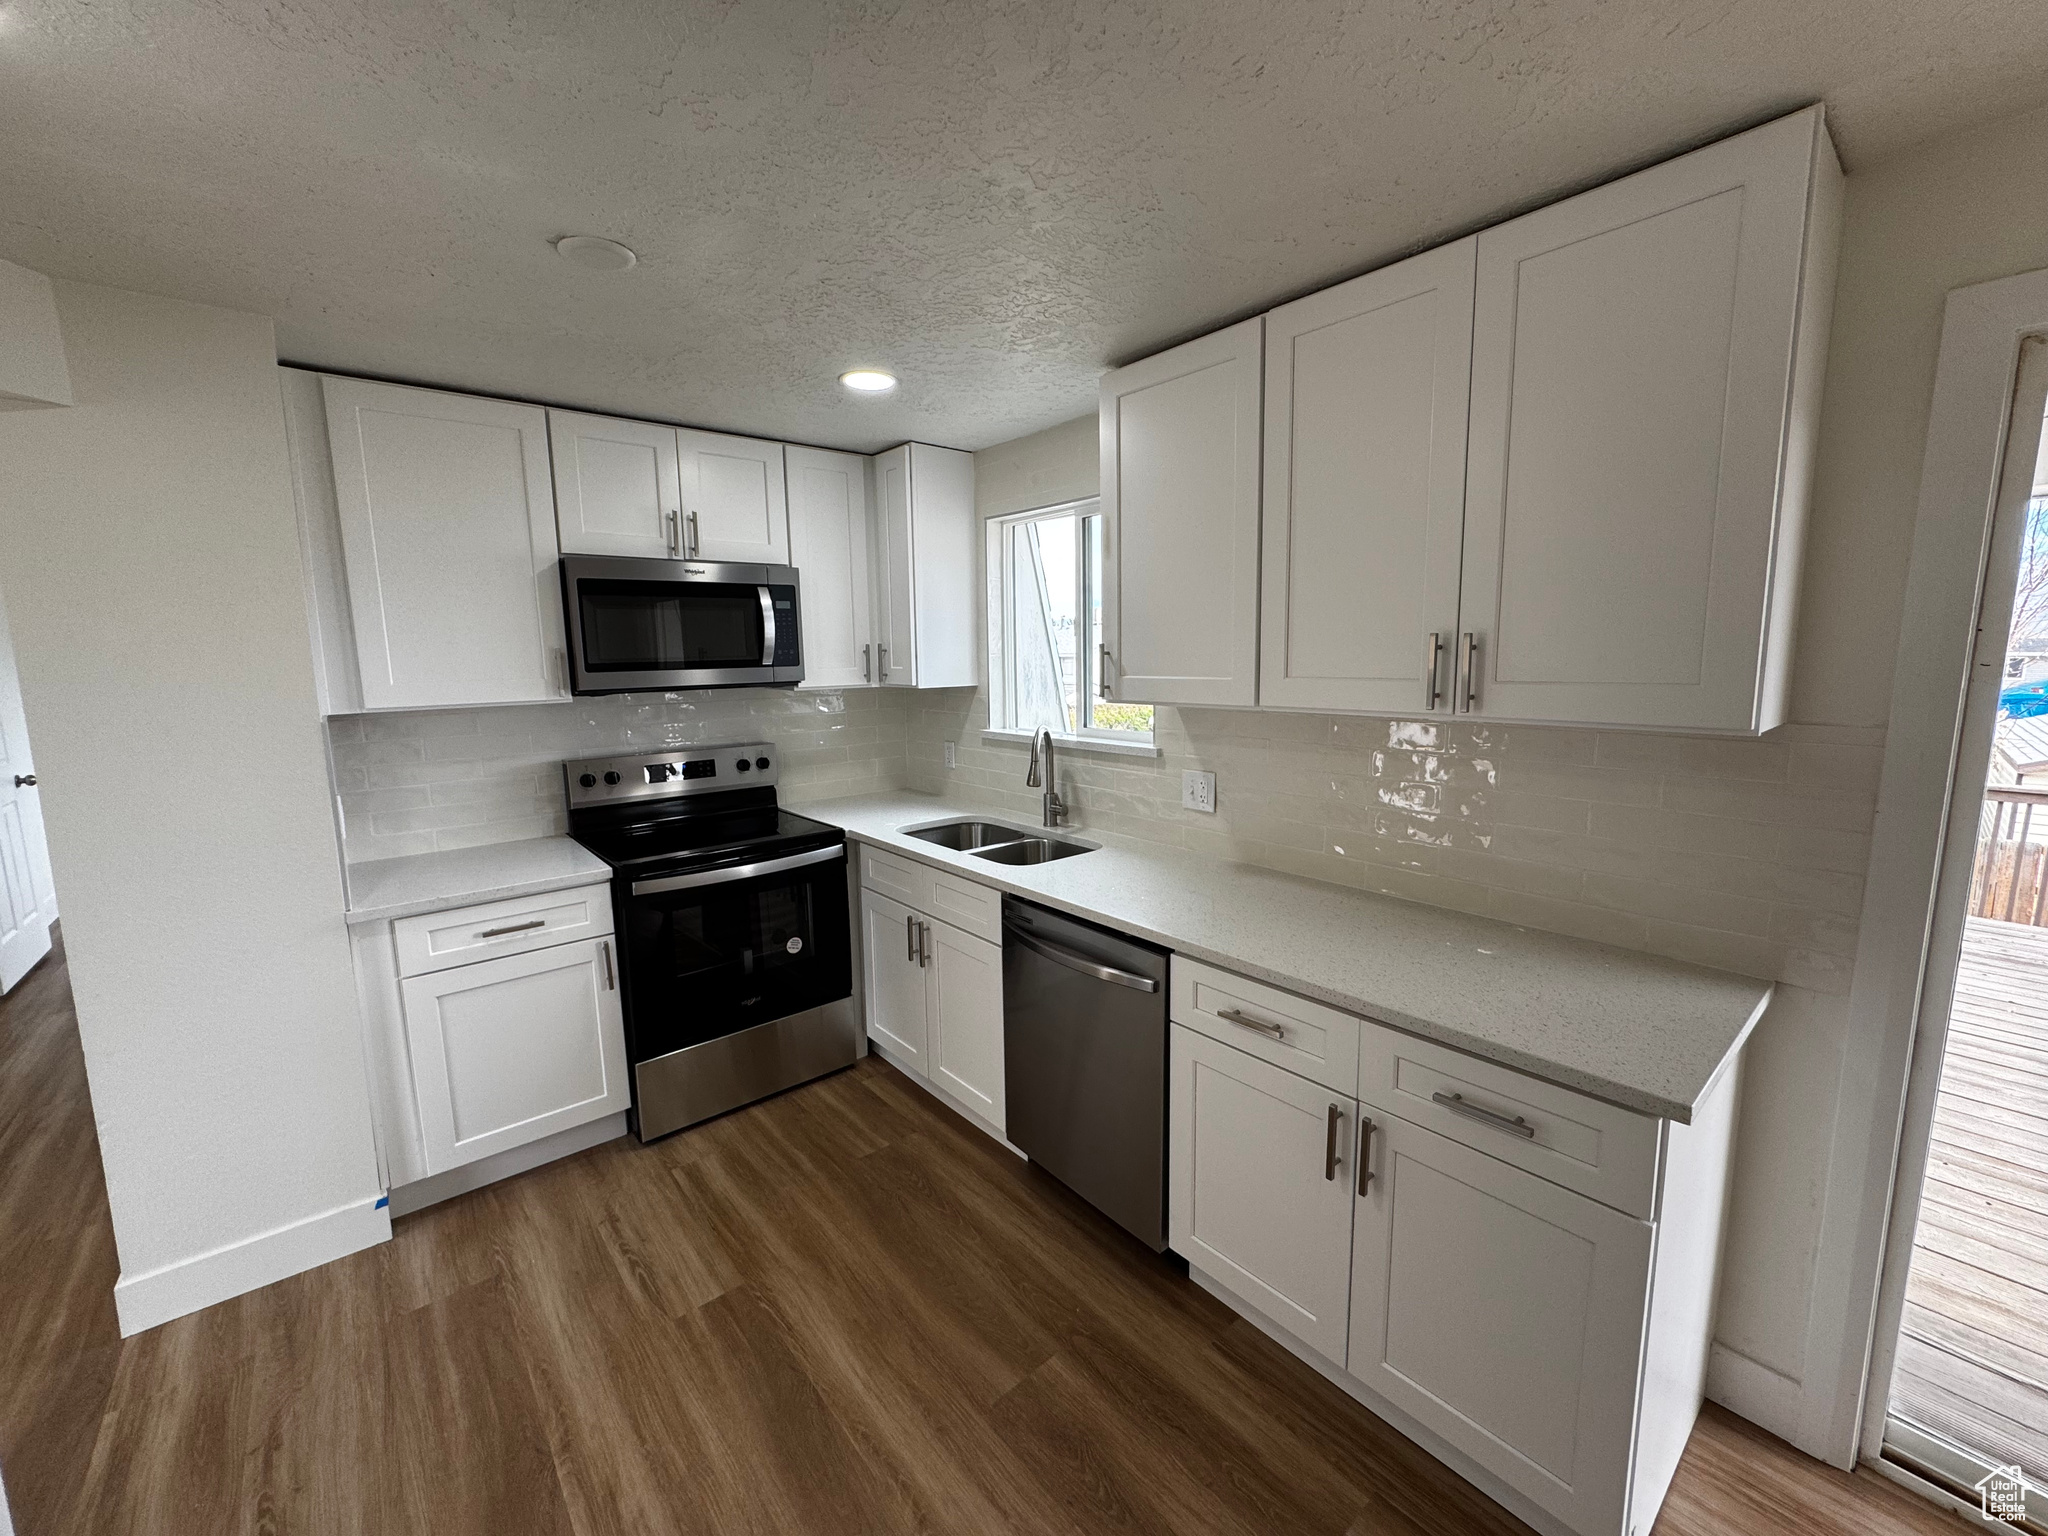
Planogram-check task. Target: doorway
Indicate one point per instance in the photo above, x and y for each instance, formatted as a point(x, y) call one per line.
point(1968, 1405)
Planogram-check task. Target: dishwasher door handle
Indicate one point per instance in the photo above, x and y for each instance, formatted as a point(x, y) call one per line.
point(1081, 963)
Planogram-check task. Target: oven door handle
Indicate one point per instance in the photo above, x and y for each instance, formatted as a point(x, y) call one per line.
point(767, 627)
point(738, 871)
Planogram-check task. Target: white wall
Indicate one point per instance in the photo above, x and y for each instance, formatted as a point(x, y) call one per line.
point(150, 561)
point(32, 368)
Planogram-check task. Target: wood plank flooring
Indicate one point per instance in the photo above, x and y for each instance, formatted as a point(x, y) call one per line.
point(1973, 1352)
point(841, 1311)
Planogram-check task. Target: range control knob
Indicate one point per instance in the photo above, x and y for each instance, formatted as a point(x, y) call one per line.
point(761, 762)
point(612, 776)
point(743, 765)
point(588, 781)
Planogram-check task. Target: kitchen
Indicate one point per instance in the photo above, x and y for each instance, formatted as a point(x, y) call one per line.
point(1162, 835)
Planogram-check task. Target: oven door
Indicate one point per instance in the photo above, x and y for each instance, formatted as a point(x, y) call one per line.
point(714, 952)
point(645, 625)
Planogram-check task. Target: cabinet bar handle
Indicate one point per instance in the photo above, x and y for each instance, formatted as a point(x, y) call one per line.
point(867, 674)
point(696, 537)
point(497, 933)
point(924, 943)
point(1457, 1104)
point(604, 949)
point(909, 937)
point(675, 538)
point(1468, 670)
point(1330, 1144)
point(1432, 659)
point(1256, 1026)
point(1365, 1129)
point(1102, 667)
point(882, 661)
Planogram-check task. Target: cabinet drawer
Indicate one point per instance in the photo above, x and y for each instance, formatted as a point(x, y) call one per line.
point(978, 909)
point(1582, 1143)
point(1311, 1039)
point(433, 941)
point(903, 880)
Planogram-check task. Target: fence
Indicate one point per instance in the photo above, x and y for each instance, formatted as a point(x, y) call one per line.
point(2009, 880)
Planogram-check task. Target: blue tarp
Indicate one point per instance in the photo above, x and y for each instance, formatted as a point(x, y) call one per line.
point(2023, 701)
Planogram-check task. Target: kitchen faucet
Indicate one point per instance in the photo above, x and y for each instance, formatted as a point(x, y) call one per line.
point(1055, 807)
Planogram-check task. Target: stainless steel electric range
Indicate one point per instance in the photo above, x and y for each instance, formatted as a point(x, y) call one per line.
point(734, 942)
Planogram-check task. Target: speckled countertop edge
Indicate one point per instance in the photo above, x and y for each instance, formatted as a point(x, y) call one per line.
point(382, 889)
point(1646, 1033)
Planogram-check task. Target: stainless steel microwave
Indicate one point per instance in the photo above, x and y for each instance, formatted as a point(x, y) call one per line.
point(646, 626)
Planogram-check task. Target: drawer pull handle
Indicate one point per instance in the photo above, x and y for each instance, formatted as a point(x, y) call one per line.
point(604, 951)
point(1456, 1104)
point(1365, 1129)
point(1330, 1144)
point(499, 933)
point(1256, 1026)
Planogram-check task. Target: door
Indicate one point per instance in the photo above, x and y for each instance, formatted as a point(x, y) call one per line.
point(1632, 392)
point(964, 1007)
point(735, 504)
point(28, 898)
point(505, 1052)
point(1180, 511)
point(896, 627)
point(1504, 1313)
point(894, 962)
point(1366, 387)
point(618, 490)
point(1259, 1192)
point(448, 536)
point(828, 545)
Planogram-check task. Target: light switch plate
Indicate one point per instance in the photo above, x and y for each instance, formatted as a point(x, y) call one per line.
point(952, 754)
point(1198, 791)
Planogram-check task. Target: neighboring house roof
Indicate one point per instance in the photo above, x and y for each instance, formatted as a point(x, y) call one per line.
point(2024, 743)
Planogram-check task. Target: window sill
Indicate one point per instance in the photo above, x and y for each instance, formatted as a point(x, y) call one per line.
point(1065, 743)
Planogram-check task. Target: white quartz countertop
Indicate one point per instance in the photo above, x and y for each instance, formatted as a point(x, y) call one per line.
point(433, 882)
point(1649, 1034)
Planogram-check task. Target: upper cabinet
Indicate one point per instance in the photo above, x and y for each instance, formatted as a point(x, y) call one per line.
point(734, 502)
point(1556, 472)
point(925, 551)
point(828, 544)
point(447, 544)
point(1180, 512)
point(1365, 487)
point(618, 490)
point(1645, 380)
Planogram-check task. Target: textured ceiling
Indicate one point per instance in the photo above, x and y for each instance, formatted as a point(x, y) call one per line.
point(996, 200)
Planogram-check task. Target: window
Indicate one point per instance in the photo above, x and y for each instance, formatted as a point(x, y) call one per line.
point(1045, 628)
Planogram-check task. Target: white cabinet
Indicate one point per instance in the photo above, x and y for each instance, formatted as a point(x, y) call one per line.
point(964, 999)
point(735, 502)
point(1645, 382)
point(829, 542)
point(925, 550)
point(618, 488)
point(447, 537)
point(1180, 513)
point(1259, 1189)
point(1504, 1313)
point(1366, 389)
point(895, 979)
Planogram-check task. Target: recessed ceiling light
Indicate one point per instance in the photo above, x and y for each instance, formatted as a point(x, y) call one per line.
point(869, 381)
point(595, 252)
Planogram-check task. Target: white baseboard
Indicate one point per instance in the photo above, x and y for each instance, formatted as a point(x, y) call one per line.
point(143, 1301)
point(437, 1187)
point(957, 1105)
point(1757, 1393)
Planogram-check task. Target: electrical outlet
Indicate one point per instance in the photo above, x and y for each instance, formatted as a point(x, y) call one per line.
point(1198, 791)
point(952, 754)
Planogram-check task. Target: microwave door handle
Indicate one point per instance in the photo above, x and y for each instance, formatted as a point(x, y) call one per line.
point(767, 627)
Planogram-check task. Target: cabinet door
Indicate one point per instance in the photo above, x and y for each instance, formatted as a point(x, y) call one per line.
point(828, 545)
point(617, 486)
point(895, 978)
point(448, 535)
point(896, 627)
point(964, 1002)
point(1260, 1186)
point(1639, 441)
point(1506, 1314)
point(505, 1052)
point(1180, 518)
point(1366, 387)
point(735, 504)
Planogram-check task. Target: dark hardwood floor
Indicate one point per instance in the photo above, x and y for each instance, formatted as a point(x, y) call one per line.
point(841, 1311)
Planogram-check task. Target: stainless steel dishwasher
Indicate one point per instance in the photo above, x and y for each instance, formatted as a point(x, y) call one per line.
point(1084, 1061)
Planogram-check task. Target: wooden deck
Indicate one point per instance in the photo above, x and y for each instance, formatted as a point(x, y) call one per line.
point(1973, 1358)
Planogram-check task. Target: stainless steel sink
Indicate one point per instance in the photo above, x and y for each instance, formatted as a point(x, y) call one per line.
point(964, 835)
point(1030, 850)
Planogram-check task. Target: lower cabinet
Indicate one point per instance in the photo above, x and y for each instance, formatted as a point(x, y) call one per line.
point(935, 1002)
point(1503, 1312)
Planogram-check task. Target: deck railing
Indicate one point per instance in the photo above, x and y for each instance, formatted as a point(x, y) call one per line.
point(2010, 878)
